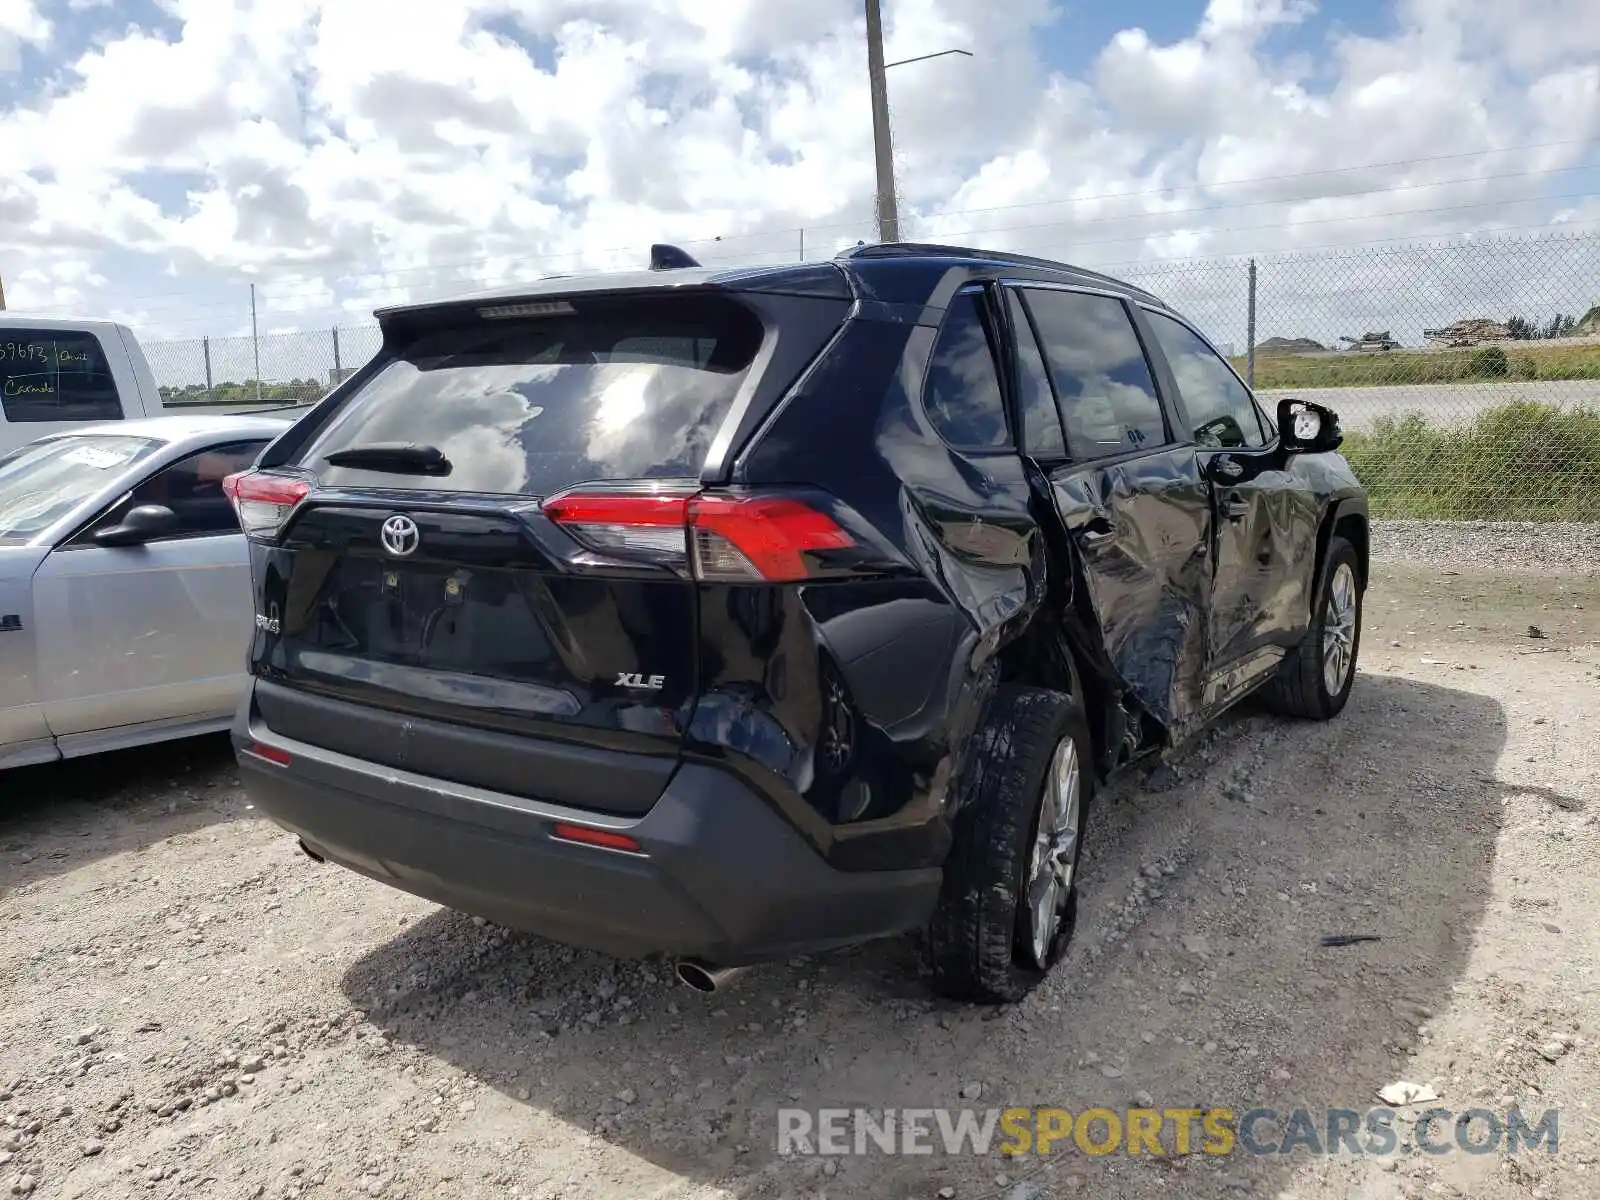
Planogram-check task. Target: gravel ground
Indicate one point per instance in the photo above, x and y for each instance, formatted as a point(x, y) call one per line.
point(189, 1007)
point(1555, 547)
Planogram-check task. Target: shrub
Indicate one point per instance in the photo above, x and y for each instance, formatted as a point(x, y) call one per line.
point(1488, 362)
point(1516, 462)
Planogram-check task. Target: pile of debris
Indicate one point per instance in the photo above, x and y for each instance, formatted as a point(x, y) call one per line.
point(1282, 345)
point(1470, 332)
point(1373, 341)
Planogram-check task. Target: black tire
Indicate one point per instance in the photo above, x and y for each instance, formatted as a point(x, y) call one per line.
point(1299, 689)
point(979, 935)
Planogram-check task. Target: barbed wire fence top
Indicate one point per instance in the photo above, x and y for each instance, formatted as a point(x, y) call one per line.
point(1465, 371)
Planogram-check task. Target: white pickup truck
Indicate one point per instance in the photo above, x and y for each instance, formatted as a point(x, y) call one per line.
point(61, 373)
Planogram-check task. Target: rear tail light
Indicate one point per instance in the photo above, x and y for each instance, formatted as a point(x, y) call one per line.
point(721, 538)
point(759, 537)
point(263, 501)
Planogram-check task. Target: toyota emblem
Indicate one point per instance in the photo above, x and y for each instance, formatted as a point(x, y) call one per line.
point(400, 535)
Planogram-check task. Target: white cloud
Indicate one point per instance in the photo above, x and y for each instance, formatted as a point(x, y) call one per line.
point(354, 153)
point(20, 22)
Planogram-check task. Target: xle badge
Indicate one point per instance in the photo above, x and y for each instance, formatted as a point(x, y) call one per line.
point(640, 683)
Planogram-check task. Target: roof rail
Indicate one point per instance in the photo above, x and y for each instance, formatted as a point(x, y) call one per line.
point(669, 258)
point(935, 250)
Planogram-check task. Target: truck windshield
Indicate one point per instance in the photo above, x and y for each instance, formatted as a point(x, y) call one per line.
point(43, 481)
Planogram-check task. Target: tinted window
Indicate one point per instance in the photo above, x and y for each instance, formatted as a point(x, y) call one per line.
point(46, 375)
point(1220, 408)
point(42, 482)
point(192, 488)
point(1041, 424)
point(963, 396)
point(1108, 398)
point(618, 390)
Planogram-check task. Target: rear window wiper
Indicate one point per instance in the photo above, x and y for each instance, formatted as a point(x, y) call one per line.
point(399, 458)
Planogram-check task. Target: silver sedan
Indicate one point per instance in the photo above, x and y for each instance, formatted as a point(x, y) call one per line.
point(125, 601)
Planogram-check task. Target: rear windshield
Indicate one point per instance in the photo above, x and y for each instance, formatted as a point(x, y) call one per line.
point(530, 405)
point(43, 481)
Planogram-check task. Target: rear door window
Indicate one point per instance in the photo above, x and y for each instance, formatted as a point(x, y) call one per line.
point(1103, 381)
point(55, 375)
point(634, 389)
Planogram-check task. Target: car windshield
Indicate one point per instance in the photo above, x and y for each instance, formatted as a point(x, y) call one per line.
point(42, 481)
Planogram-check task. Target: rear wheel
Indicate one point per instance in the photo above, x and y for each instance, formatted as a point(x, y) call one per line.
point(1314, 681)
point(1009, 902)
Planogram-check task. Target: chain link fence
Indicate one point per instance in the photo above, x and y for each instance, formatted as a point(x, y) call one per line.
point(1466, 372)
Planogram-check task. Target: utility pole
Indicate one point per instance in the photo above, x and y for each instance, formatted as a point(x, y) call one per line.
point(255, 341)
point(1250, 329)
point(882, 146)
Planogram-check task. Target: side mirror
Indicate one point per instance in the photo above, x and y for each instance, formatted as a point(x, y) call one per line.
point(138, 526)
point(1307, 428)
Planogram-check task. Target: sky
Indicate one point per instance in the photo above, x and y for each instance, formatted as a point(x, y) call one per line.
point(157, 157)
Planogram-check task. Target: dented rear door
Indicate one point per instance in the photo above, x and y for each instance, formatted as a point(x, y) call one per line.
point(1131, 500)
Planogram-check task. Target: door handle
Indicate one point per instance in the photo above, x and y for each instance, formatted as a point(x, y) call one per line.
point(1236, 508)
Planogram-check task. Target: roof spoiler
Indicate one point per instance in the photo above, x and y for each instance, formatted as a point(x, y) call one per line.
point(669, 258)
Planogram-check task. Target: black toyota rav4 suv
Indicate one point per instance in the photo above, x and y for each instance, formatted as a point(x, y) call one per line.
point(735, 614)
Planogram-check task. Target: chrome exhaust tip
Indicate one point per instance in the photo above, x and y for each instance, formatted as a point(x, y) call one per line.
point(703, 977)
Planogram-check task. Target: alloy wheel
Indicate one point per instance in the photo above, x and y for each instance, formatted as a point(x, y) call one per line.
point(1055, 850)
point(1339, 630)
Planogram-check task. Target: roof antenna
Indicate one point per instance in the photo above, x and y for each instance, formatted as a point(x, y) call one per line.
point(669, 258)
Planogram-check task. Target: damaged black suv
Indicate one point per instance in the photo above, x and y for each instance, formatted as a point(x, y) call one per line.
point(735, 614)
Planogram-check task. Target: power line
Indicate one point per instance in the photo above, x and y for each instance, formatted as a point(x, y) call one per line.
point(1418, 212)
point(200, 314)
point(1205, 208)
point(861, 223)
point(1163, 214)
point(1221, 183)
point(1178, 267)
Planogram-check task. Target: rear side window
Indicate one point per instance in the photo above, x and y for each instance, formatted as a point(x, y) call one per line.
point(51, 375)
point(963, 397)
point(618, 390)
point(1041, 424)
point(1107, 395)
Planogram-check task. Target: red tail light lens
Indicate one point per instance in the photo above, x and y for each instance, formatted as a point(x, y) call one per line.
point(264, 502)
point(722, 538)
point(604, 838)
point(271, 754)
point(758, 537)
point(649, 525)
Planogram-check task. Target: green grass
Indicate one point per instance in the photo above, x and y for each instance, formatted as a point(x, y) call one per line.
point(1508, 360)
point(1518, 462)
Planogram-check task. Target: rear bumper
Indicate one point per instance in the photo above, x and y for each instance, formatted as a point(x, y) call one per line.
point(722, 876)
